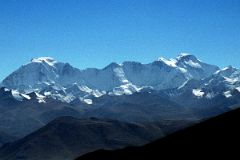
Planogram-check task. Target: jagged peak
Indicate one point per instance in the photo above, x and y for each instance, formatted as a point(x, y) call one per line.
point(48, 60)
point(112, 65)
point(169, 62)
point(229, 69)
point(186, 56)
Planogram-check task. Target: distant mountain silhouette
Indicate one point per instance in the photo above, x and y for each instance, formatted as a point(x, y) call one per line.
point(216, 137)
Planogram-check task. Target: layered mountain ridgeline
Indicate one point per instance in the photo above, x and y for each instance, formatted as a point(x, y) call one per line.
point(61, 81)
point(184, 80)
point(66, 138)
point(172, 93)
point(19, 118)
point(216, 137)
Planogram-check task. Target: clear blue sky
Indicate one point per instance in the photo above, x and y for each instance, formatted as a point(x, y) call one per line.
point(93, 33)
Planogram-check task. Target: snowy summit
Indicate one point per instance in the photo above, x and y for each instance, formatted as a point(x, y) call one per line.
point(47, 77)
point(48, 60)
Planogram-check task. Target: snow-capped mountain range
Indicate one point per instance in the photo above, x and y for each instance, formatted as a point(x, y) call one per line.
point(50, 78)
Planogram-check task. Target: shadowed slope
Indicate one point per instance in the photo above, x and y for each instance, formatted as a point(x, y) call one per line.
point(216, 137)
point(66, 138)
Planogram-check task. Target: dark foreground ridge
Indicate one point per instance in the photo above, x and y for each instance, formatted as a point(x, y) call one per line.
point(216, 137)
